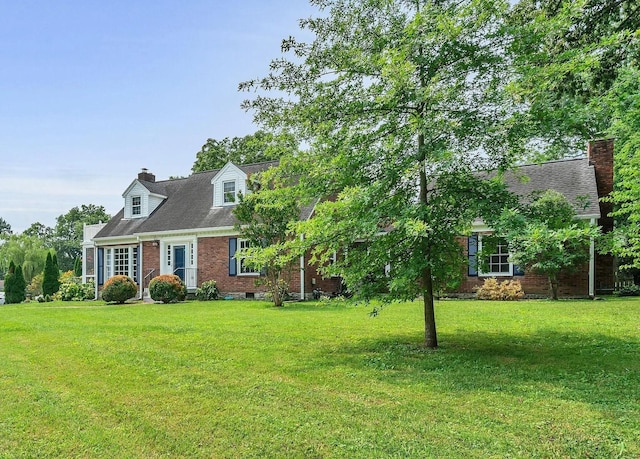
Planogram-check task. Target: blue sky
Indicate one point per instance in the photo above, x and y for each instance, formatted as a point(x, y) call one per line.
point(93, 91)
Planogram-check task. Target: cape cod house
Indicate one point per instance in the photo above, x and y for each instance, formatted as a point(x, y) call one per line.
point(185, 227)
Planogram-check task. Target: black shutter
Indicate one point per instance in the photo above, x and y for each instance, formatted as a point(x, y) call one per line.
point(100, 266)
point(472, 251)
point(233, 246)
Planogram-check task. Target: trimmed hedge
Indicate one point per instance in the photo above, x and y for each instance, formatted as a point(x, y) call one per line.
point(167, 288)
point(119, 289)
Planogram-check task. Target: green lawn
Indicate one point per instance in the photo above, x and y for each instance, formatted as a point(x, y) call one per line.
point(242, 379)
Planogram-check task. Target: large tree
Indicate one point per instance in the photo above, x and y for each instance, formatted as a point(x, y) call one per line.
point(27, 251)
point(398, 101)
point(568, 54)
point(625, 115)
point(253, 148)
point(68, 232)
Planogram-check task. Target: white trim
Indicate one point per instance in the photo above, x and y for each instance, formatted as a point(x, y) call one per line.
point(592, 264)
point(492, 274)
point(302, 292)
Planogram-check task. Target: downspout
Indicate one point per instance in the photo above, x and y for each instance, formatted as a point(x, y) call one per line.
point(302, 292)
point(592, 264)
point(140, 270)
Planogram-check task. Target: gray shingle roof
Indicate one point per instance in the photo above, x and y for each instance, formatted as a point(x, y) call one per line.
point(574, 178)
point(188, 206)
point(189, 200)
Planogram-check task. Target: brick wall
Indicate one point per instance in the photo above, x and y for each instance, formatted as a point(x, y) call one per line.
point(150, 260)
point(213, 264)
point(600, 154)
point(570, 285)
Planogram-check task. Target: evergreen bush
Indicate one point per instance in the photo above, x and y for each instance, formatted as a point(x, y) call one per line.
point(50, 282)
point(15, 286)
point(167, 288)
point(119, 289)
point(208, 291)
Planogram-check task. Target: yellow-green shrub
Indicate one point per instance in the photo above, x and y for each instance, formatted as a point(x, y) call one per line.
point(507, 290)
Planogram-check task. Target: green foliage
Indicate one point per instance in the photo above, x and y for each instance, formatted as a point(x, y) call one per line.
point(75, 291)
point(567, 55)
point(264, 219)
point(5, 227)
point(77, 267)
point(545, 237)
point(624, 242)
point(253, 148)
point(207, 291)
point(399, 102)
point(14, 285)
point(508, 290)
point(167, 288)
point(118, 289)
point(50, 282)
point(68, 232)
point(34, 288)
point(628, 290)
point(27, 251)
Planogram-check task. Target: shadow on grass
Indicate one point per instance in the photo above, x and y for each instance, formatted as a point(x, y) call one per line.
point(595, 369)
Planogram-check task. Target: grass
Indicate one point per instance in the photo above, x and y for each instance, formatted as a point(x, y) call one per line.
point(242, 379)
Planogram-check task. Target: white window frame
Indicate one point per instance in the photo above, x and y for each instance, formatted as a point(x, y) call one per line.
point(229, 197)
point(508, 273)
point(136, 209)
point(242, 270)
point(131, 262)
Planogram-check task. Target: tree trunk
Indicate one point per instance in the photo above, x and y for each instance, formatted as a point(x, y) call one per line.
point(426, 279)
point(553, 282)
point(430, 335)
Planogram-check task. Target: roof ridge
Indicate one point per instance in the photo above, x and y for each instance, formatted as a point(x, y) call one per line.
point(563, 160)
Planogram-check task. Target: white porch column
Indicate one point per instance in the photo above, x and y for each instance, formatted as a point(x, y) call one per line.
point(592, 265)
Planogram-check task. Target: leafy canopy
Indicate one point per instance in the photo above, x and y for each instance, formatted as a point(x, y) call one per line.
point(545, 236)
point(398, 101)
point(253, 148)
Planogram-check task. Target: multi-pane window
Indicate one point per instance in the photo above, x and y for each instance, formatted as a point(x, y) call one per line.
point(136, 205)
point(229, 191)
point(121, 261)
point(242, 268)
point(499, 261)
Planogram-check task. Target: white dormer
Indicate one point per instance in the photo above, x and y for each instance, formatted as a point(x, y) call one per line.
point(139, 200)
point(227, 184)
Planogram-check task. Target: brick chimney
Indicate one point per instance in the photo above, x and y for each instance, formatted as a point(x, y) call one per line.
point(146, 176)
point(600, 154)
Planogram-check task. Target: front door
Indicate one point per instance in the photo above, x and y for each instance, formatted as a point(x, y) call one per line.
point(178, 261)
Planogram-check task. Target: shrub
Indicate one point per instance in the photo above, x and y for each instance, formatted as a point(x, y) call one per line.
point(119, 289)
point(35, 286)
point(75, 291)
point(14, 285)
point(167, 288)
point(50, 282)
point(628, 290)
point(208, 291)
point(508, 290)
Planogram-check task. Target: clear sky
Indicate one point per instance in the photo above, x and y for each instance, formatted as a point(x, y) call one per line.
point(93, 91)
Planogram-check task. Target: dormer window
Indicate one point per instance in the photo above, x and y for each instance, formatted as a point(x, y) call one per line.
point(136, 206)
point(229, 191)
